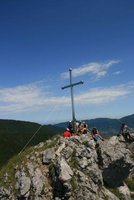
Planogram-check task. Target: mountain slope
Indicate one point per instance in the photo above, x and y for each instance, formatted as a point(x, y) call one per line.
point(129, 120)
point(75, 168)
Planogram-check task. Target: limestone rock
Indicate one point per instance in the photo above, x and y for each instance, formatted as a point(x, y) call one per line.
point(37, 182)
point(61, 147)
point(23, 184)
point(116, 162)
point(63, 169)
point(48, 155)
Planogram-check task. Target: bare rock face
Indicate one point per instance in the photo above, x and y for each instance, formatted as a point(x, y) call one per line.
point(64, 170)
point(23, 184)
point(37, 182)
point(116, 162)
point(75, 168)
point(48, 155)
point(6, 194)
point(131, 147)
point(125, 192)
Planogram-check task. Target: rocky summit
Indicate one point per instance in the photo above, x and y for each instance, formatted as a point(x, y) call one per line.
point(75, 168)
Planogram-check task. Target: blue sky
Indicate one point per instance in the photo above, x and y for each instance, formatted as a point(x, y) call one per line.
point(41, 40)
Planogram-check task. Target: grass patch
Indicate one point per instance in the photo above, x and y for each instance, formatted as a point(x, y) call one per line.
point(73, 161)
point(130, 183)
point(132, 156)
point(73, 182)
point(116, 192)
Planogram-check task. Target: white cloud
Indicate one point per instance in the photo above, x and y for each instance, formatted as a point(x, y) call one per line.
point(117, 73)
point(96, 69)
point(105, 95)
point(27, 98)
point(34, 97)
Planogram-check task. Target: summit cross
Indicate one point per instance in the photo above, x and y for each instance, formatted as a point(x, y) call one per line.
point(71, 85)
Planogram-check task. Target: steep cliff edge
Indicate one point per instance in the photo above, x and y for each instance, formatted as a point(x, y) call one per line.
point(76, 168)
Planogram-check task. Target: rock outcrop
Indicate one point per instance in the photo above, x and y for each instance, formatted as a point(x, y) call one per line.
point(75, 168)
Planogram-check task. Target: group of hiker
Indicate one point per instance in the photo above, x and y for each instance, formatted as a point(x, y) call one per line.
point(82, 128)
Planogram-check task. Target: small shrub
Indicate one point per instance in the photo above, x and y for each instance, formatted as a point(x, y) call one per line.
point(86, 143)
point(73, 183)
point(73, 161)
point(132, 156)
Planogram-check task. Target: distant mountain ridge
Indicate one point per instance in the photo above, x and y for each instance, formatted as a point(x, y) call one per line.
point(106, 126)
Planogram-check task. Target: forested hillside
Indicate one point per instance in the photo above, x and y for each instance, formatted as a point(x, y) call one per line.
point(14, 135)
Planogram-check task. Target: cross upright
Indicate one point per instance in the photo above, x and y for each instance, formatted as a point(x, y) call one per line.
point(71, 85)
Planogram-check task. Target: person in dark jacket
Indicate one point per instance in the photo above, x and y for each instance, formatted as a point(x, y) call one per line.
point(125, 132)
point(70, 127)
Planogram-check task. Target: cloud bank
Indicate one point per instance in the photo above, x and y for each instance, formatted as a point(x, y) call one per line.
point(105, 95)
point(35, 97)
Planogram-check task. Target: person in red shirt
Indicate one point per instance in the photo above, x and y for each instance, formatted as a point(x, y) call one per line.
point(67, 133)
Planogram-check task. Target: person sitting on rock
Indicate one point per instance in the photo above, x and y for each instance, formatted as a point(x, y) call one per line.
point(83, 128)
point(70, 127)
point(67, 133)
point(95, 134)
point(125, 132)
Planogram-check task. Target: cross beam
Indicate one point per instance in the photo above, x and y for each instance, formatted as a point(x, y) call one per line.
point(71, 85)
